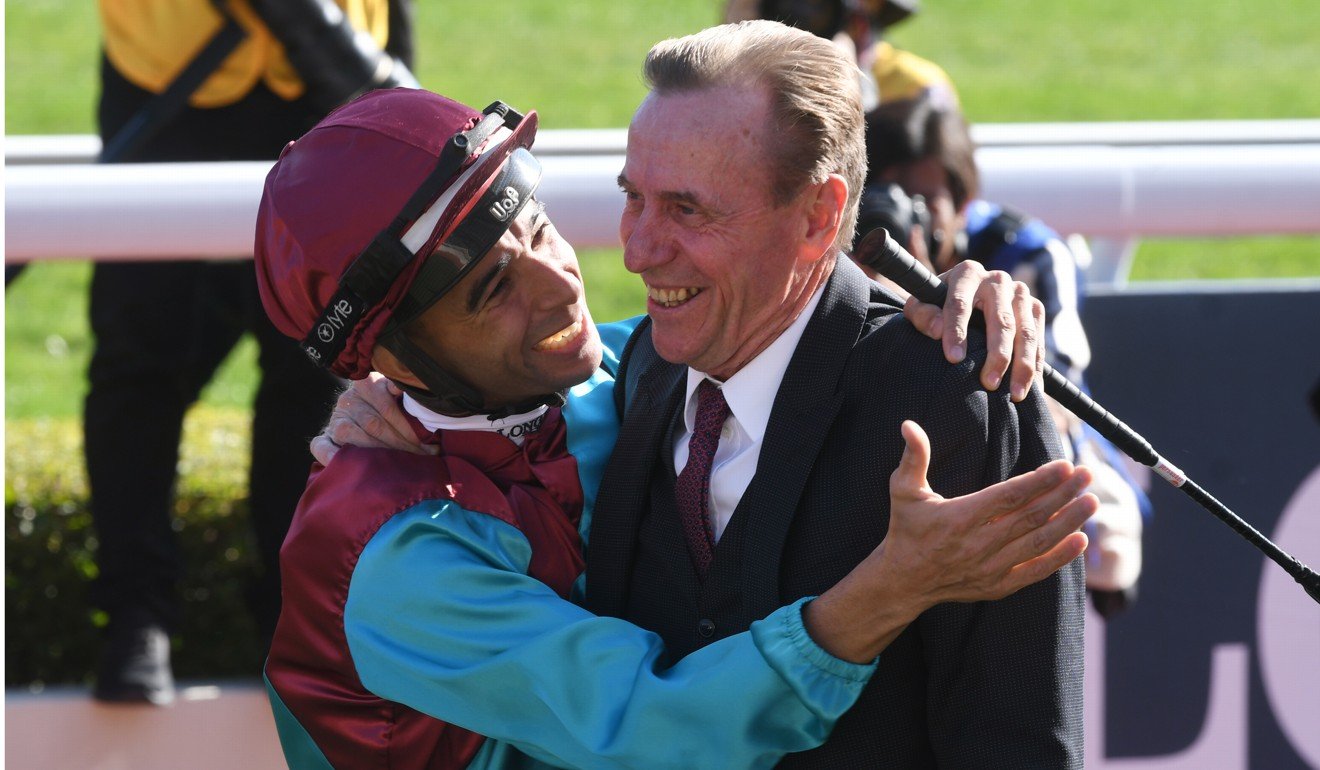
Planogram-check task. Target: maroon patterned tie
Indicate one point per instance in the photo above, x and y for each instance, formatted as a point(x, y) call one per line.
point(693, 487)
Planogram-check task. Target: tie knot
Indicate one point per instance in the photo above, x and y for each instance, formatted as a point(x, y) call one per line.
point(711, 406)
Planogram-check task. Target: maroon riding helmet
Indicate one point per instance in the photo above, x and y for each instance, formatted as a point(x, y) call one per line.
point(376, 213)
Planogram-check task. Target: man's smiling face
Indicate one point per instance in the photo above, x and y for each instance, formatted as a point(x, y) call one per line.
point(517, 325)
point(701, 227)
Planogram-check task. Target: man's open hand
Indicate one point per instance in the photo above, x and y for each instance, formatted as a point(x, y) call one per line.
point(981, 546)
point(990, 543)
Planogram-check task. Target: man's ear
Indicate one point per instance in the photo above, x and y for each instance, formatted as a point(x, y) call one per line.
point(824, 216)
point(385, 362)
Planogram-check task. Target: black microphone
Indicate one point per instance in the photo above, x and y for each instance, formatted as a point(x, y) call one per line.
point(878, 251)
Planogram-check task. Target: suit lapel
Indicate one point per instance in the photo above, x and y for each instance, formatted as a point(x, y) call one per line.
point(804, 411)
point(625, 486)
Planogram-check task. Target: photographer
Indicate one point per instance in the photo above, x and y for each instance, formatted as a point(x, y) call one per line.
point(194, 80)
point(922, 185)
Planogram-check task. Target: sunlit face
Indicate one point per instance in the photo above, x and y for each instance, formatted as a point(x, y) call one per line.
point(723, 265)
point(926, 177)
point(517, 325)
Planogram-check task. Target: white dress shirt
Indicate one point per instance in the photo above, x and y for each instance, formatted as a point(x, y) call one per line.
point(750, 394)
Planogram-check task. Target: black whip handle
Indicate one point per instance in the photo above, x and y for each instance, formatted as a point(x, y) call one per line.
point(883, 254)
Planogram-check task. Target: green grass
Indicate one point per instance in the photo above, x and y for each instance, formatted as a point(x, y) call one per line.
point(1124, 59)
point(1209, 258)
point(47, 343)
point(577, 63)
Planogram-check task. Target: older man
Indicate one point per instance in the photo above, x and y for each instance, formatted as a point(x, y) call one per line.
point(743, 171)
point(769, 397)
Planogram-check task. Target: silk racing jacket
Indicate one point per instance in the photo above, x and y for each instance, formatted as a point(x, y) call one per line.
point(431, 600)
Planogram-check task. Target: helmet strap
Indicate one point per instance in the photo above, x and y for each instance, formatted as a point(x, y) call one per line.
point(446, 394)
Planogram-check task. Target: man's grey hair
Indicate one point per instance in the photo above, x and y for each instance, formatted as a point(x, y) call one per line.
point(816, 101)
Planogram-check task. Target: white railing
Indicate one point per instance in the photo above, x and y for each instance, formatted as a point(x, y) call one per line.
point(82, 148)
point(1111, 193)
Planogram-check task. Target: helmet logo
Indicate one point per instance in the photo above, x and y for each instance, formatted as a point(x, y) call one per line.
point(334, 322)
point(505, 205)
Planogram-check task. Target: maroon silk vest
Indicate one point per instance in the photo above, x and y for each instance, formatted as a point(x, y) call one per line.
point(534, 488)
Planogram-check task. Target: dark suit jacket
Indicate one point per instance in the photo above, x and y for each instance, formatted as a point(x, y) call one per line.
point(992, 684)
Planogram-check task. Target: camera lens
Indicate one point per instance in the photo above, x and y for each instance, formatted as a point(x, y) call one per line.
point(888, 206)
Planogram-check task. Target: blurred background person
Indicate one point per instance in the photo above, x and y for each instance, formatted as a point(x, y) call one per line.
point(192, 80)
point(858, 26)
point(922, 186)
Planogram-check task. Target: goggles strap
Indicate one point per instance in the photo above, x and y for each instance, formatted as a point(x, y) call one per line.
point(446, 394)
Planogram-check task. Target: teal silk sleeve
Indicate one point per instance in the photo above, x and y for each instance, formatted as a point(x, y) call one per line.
point(593, 425)
point(592, 428)
point(441, 617)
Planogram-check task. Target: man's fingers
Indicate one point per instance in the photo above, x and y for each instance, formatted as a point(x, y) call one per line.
point(379, 396)
point(1009, 495)
point(1038, 309)
point(1048, 563)
point(909, 478)
point(368, 414)
point(323, 449)
point(1027, 355)
point(376, 388)
point(928, 319)
point(372, 431)
point(1034, 513)
point(994, 298)
point(963, 281)
point(1048, 536)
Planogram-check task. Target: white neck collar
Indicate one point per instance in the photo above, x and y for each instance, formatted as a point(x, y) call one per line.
point(513, 427)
